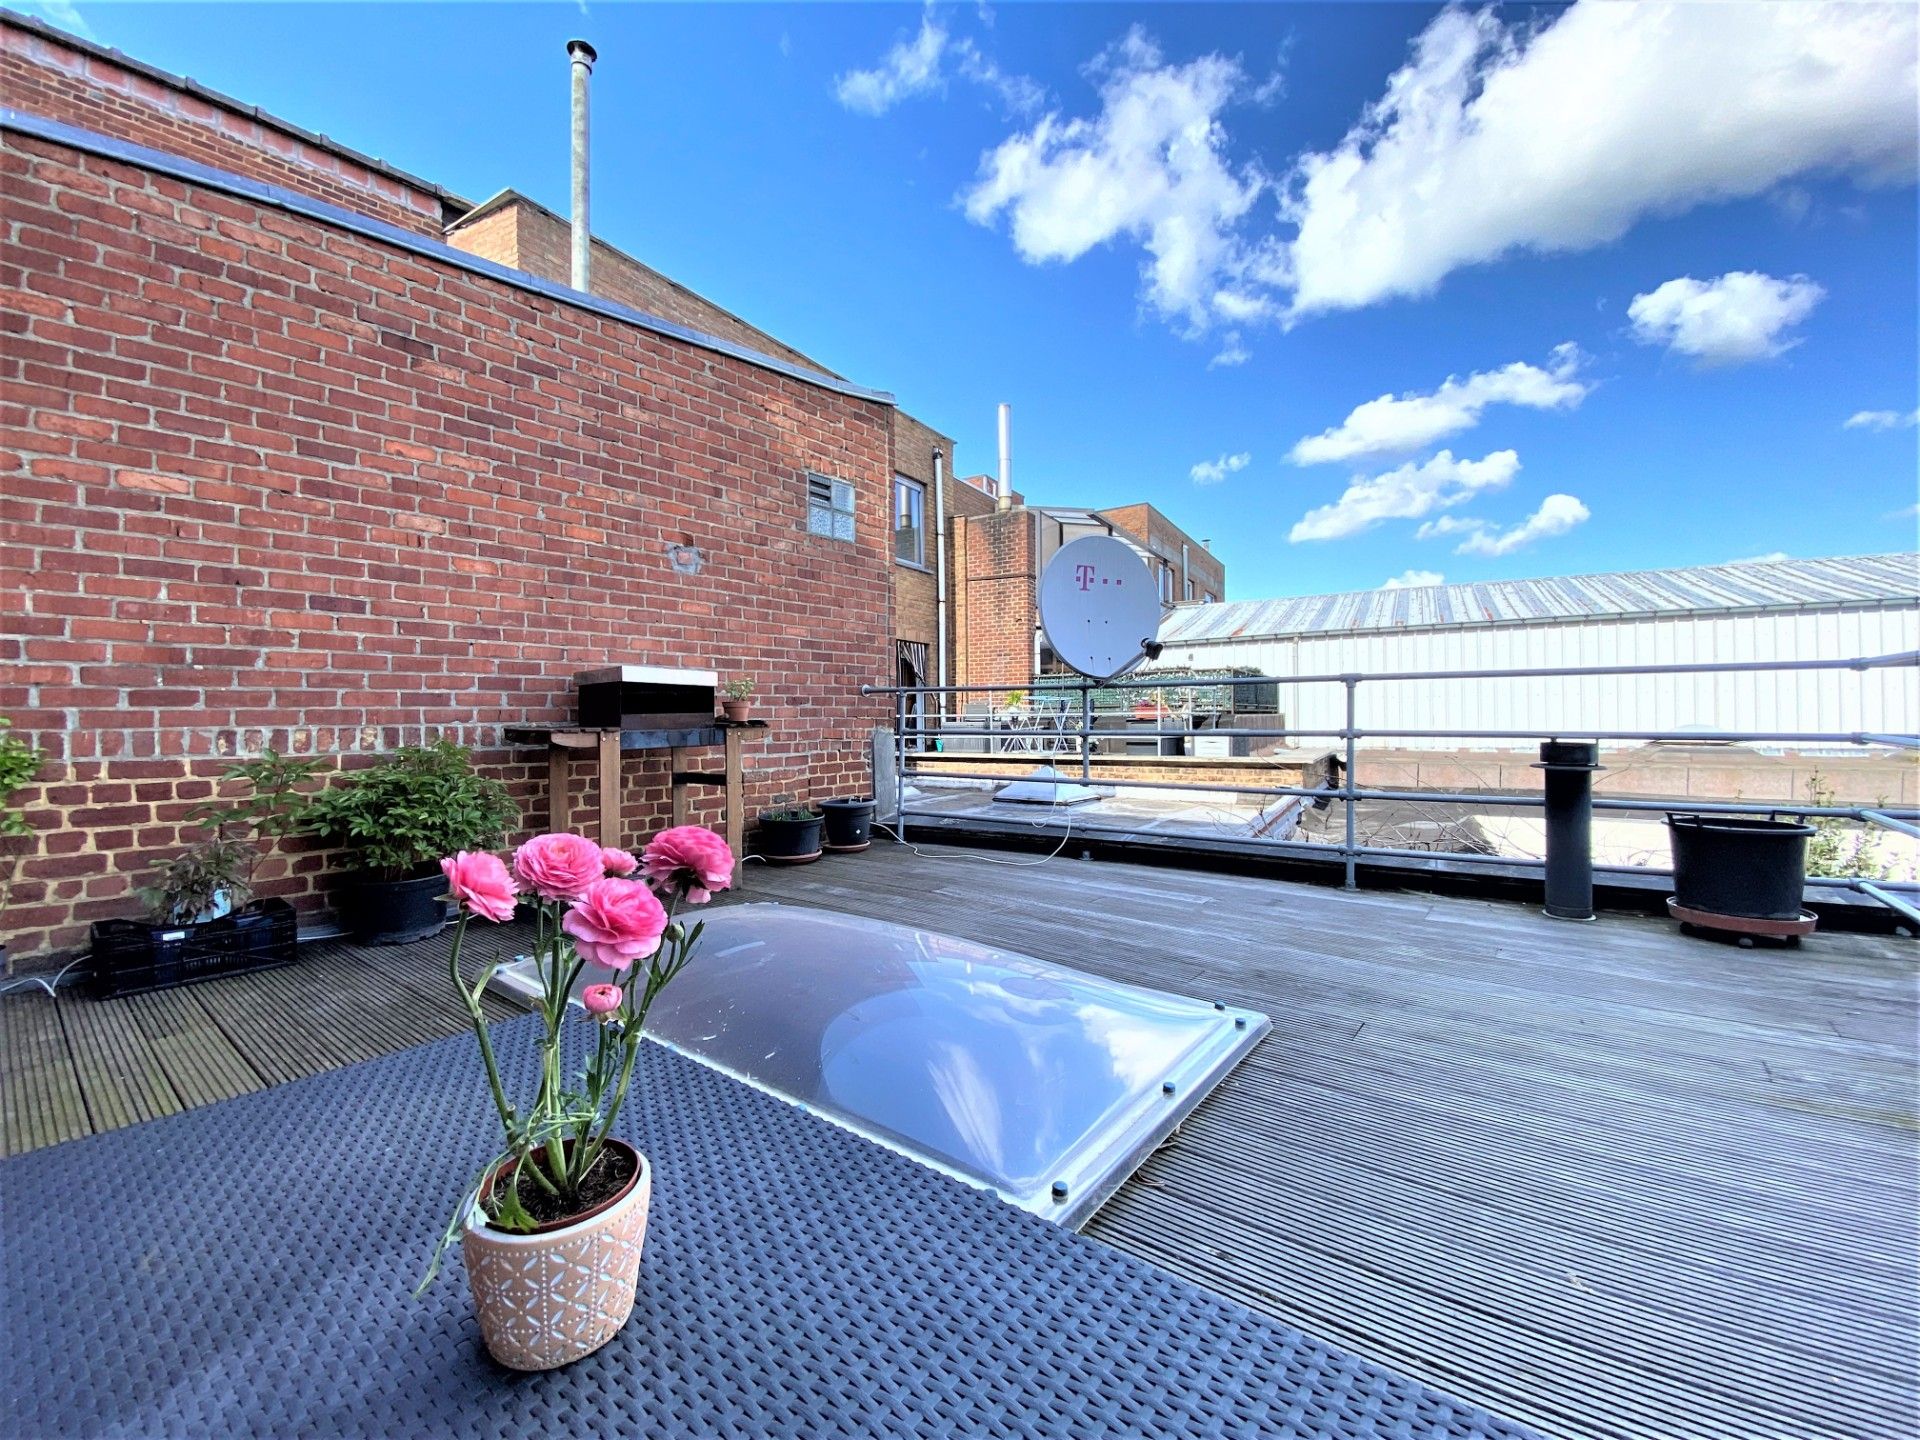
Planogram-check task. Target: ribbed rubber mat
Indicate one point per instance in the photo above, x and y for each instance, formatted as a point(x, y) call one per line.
point(246, 1269)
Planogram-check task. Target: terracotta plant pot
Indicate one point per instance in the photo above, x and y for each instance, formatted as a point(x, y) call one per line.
point(548, 1298)
point(737, 711)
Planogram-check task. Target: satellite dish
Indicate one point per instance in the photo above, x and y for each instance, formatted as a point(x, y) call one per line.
point(1098, 607)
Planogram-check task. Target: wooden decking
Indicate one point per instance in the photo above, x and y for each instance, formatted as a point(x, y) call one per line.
point(1600, 1178)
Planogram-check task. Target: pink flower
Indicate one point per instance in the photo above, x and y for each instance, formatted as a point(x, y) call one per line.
point(601, 999)
point(617, 862)
point(615, 922)
point(559, 867)
point(480, 882)
point(690, 859)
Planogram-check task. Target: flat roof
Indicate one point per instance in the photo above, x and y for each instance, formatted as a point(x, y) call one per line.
point(1750, 585)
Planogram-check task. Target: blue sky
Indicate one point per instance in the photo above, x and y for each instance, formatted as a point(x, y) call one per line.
point(1620, 276)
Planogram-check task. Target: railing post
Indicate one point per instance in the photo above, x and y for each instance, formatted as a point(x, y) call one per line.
point(900, 765)
point(1351, 849)
point(1086, 732)
point(1569, 767)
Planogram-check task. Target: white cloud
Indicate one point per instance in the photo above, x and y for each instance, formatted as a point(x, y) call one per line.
point(1767, 559)
point(911, 67)
point(1406, 493)
point(1414, 579)
point(917, 65)
point(1881, 420)
point(62, 13)
point(1151, 167)
point(1740, 316)
point(1232, 352)
point(1557, 515)
point(1395, 424)
point(1498, 138)
point(1212, 472)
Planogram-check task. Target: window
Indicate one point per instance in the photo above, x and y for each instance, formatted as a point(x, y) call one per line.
point(829, 507)
point(909, 520)
point(1166, 585)
point(1189, 592)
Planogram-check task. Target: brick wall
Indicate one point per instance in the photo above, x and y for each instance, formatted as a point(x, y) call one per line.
point(269, 483)
point(1000, 580)
point(1165, 539)
point(47, 74)
point(529, 237)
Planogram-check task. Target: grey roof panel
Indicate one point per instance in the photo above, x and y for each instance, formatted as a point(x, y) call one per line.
point(1775, 584)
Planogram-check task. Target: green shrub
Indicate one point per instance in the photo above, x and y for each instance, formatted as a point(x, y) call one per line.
point(189, 886)
point(418, 804)
point(19, 763)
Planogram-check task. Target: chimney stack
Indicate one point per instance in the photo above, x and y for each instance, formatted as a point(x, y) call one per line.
point(1006, 457)
point(581, 56)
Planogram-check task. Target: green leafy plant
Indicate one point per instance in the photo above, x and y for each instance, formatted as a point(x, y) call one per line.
point(740, 688)
point(401, 815)
point(1014, 699)
point(787, 810)
point(1839, 850)
point(206, 882)
point(19, 763)
point(274, 803)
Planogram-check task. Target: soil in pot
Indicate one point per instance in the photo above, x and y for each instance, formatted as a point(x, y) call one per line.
point(849, 823)
point(1735, 866)
point(787, 840)
point(394, 912)
point(611, 1177)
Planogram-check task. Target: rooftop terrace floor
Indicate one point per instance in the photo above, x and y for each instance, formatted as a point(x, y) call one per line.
point(1603, 1179)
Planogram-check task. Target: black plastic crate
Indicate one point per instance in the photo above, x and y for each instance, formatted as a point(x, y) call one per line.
point(134, 955)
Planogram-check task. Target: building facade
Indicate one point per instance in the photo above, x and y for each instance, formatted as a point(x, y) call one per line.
point(285, 469)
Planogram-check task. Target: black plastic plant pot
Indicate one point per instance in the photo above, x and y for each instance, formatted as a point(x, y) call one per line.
point(849, 822)
point(787, 841)
point(1746, 869)
point(393, 912)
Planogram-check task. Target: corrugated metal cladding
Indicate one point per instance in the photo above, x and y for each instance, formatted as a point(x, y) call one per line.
point(1787, 610)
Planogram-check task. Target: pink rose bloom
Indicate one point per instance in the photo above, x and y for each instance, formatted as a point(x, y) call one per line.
point(617, 862)
point(601, 999)
point(480, 882)
point(559, 867)
point(690, 859)
point(615, 922)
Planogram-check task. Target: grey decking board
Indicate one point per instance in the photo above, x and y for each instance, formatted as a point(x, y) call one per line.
point(1448, 1080)
point(1606, 1064)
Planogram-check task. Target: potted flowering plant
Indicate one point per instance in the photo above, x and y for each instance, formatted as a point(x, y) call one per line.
point(737, 701)
point(553, 1227)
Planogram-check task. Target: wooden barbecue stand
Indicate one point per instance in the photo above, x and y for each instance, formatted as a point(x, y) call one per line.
point(608, 746)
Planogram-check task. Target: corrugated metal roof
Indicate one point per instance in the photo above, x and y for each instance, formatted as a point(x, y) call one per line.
point(1755, 585)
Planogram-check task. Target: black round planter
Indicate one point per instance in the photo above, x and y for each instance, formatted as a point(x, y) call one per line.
point(790, 842)
point(849, 822)
point(1730, 865)
point(393, 912)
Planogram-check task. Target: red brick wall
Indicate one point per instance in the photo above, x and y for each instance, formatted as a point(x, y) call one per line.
point(44, 76)
point(531, 238)
point(264, 482)
point(997, 565)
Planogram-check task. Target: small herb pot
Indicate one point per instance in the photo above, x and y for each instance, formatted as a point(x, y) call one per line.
point(849, 823)
point(393, 912)
point(790, 840)
point(736, 711)
point(555, 1294)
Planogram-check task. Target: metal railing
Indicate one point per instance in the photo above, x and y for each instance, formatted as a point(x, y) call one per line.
point(912, 701)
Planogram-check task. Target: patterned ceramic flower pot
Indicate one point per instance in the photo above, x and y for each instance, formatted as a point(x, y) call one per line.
point(547, 1298)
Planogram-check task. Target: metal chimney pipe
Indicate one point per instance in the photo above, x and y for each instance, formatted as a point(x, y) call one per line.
point(1006, 457)
point(581, 55)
